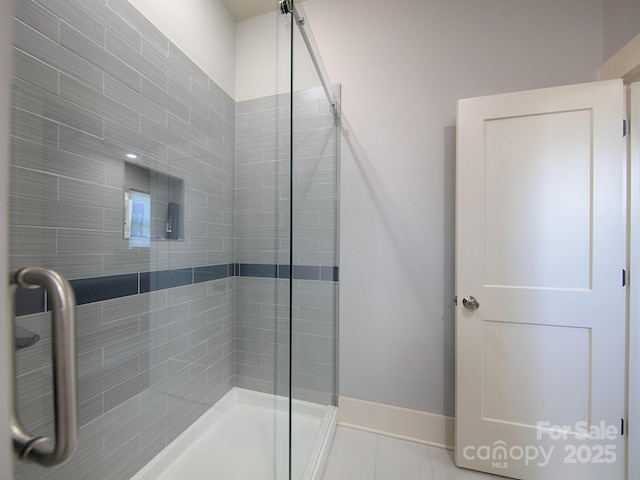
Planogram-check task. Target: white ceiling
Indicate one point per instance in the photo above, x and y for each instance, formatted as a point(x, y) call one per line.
point(241, 9)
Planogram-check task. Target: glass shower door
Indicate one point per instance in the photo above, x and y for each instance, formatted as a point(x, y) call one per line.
point(204, 272)
point(122, 181)
point(315, 240)
point(6, 374)
point(262, 231)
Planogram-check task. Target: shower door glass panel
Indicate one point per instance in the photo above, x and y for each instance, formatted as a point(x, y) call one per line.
point(262, 231)
point(122, 180)
point(315, 160)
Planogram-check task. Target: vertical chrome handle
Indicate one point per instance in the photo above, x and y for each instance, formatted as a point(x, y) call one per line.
point(43, 450)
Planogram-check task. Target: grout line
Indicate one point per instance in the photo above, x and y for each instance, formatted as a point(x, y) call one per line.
point(375, 459)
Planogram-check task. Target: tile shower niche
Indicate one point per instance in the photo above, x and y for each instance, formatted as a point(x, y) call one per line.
point(153, 207)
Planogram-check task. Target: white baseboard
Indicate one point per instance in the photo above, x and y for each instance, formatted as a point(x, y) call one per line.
point(404, 423)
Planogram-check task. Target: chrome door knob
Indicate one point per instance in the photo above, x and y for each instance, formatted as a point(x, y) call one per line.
point(470, 303)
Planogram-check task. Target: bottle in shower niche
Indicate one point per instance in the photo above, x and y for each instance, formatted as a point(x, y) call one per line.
point(173, 221)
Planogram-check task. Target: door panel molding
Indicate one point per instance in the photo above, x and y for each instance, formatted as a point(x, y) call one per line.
point(532, 164)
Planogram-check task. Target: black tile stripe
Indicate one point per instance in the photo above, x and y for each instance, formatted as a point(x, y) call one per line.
point(29, 300)
point(300, 272)
point(258, 270)
point(306, 272)
point(283, 271)
point(329, 274)
point(213, 272)
point(98, 289)
point(163, 279)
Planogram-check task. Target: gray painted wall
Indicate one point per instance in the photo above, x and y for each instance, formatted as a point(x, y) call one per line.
point(402, 67)
point(621, 23)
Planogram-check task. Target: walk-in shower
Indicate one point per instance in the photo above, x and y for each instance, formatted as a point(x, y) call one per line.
point(198, 229)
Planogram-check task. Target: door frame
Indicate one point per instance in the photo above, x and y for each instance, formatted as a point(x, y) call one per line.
point(6, 349)
point(625, 64)
point(633, 297)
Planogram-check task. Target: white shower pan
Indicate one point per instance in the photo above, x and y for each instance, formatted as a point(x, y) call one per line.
point(246, 436)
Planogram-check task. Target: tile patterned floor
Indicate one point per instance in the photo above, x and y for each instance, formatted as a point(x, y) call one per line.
point(359, 455)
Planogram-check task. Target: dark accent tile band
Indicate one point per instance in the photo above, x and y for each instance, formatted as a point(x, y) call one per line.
point(306, 272)
point(283, 271)
point(163, 279)
point(258, 270)
point(300, 272)
point(329, 274)
point(98, 289)
point(213, 272)
point(29, 300)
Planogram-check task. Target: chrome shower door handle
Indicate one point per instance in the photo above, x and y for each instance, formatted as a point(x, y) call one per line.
point(44, 450)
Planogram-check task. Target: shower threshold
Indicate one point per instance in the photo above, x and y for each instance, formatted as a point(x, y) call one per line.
point(244, 436)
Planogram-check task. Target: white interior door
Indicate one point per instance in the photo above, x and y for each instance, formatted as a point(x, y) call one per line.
point(541, 246)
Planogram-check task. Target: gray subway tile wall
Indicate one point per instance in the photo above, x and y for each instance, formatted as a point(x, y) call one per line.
point(89, 88)
point(164, 331)
point(262, 245)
